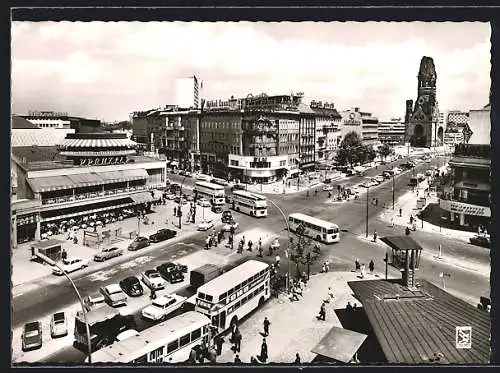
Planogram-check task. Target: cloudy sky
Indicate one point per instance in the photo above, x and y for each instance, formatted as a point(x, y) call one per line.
point(107, 70)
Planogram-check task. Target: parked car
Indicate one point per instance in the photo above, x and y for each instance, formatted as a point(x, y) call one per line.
point(327, 187)
point(387, 175)
point(32, 336)
point(152, 279)
point(93, 301)
point(170, 272)
point(138, 243)
point(114, 295)
point(174, 187)
point(170, 196)
point(227, 227)
point(132, 286)
point(70, 265)
point(205, 225)
point(227, 216)
point(238, 186)
point(58, 325)
point(379, 178)
point(219, 181)
point(108, 253)
point(162, 306)
point(204, 202)
point(188, 197)
point(162, 235)
point(178, 199)
point(480, 240)
point(126, 334)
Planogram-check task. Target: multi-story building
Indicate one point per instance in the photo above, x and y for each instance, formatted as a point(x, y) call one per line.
point(25, 133)
point(328, 135)
point(468, 201)
point(480, 125)
point(307, 134)
point(369, 129)
point(351, 122)
point(392, 132)
point(187, 92)
point(87, 174)
point(51, 119)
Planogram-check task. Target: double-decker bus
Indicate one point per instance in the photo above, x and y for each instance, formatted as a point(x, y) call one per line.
point(168, 342)
point(249, 203)
point(213, 192)
point(234, 294)
point(317, 229)
point(105, 323)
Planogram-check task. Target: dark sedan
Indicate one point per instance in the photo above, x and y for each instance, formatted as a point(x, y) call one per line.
point(478, 240)
point(138, 243)
point(162, 235)
point(32, 336)
point(171, 272)
point(132, 286)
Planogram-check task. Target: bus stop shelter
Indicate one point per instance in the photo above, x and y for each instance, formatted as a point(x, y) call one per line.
point(50, 248)
point(340, 345)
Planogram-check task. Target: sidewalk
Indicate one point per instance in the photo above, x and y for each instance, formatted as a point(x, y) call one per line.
point(26, 272)
point(407, 202)
point(294, 327)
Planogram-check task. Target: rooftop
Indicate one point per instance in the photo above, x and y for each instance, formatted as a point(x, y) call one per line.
point(21, 123)
point(412, 326)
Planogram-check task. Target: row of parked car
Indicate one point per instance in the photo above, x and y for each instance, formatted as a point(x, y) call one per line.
point(32, 335)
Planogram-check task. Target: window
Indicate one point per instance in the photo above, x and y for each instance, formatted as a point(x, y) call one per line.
point(229, 310)
point(196, 334)
point(184, 340)
point(156, 354)
point(141, 360)
point(209, 298)
point(172, 346)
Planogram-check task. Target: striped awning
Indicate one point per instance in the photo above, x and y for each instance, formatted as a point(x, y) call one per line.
point(48, 184)
point(123, 202)
point(97, 143)
point(142, 197)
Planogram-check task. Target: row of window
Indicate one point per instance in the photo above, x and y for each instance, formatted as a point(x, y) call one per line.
point(157, 355)
point(244, 300)
point(250, 281)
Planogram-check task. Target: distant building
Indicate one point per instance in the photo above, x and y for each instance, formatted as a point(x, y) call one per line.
point(468, 202)
point(187, 92)
point(480, 125)
point(328, 135)
point(364, 124)
point(52, 119)
point(26, 133)
point(392, 132)
point(369, 129)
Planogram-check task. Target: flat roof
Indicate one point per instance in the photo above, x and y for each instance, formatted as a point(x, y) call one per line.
point(340, 344)
point(46, 243)
point(401, 243)
point(411, 326)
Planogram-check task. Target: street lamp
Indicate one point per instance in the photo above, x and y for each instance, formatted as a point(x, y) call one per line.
point(138, 224)
point(288, 233)
point(87, 329)
point(367, 193)
point(179, 212)
point(393, 190)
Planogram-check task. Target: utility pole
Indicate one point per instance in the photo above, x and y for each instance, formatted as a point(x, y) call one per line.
point(367, 193)
point(393, 190)
point(386, 263)
point(179, 212)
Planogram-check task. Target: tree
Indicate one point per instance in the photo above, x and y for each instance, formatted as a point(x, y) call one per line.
point(384, 151)
point(301, 248)
point(352, 150)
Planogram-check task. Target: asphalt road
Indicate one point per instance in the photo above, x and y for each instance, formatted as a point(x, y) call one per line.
point(350, 216)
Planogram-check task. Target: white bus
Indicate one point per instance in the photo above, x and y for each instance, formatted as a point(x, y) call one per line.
point(317, 229)
point(249, 203)
point(168, 342)
point(213, 192)
point(234, 294)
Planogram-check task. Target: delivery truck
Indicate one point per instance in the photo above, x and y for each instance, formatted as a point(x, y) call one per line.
point(203, 274)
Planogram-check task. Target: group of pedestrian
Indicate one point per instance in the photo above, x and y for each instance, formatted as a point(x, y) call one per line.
point(350, 308)
point(362, 268)
point(326, 267)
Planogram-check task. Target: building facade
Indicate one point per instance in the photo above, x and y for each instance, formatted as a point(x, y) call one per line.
point(87, 174)
point(307, 135)
point(328, 135)
point(468, 202)
point(369, 130)
point(392, 132)
point(480, 125)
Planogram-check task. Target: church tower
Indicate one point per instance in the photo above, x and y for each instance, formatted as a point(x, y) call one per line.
point(423, 129)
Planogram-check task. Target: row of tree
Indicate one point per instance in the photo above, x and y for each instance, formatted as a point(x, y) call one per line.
point(353, 151)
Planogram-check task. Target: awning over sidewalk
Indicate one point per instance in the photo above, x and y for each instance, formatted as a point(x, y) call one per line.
point(122, 176)
point(340, 344)
point(143, 197)
point(86, 179)
point(48, 184)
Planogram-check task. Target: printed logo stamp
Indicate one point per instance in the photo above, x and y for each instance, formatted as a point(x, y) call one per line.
point(463, 337)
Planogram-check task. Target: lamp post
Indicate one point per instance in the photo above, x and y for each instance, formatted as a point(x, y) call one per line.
point(367, 193)
point(138, 224)
point(393, 190)
point(288, 233)
point(179, 212)
point(87, 329)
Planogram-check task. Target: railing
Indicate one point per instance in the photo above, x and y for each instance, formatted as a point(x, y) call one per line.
point(84, 196)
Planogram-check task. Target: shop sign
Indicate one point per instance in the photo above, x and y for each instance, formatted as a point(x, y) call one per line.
point(260, 159)
point(464, 208)
point(104, 161)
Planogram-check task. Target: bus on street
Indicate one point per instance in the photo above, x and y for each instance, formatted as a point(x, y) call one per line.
point(233, 295)
point(105, 323)
point(317, 229)
point(249, 203)
point(212, 192)
point(168, 342)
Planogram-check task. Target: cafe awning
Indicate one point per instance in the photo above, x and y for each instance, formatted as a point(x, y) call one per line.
point(340, 344)
point(47, 184)
point(124, 175)
point(143, 197)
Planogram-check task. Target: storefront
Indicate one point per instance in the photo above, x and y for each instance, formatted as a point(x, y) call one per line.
point(465, 214)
